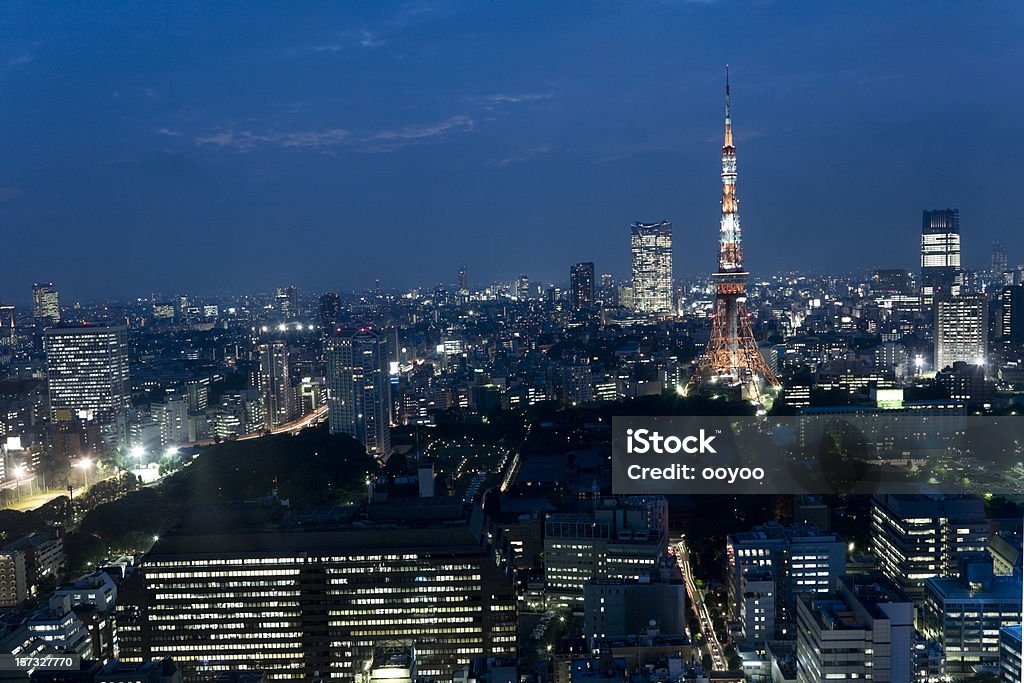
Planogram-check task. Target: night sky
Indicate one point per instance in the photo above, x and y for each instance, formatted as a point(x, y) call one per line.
point(212, 148)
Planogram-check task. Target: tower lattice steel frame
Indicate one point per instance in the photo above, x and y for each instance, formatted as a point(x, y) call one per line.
point(732, 358)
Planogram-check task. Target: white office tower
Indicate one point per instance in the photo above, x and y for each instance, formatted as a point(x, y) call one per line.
point(87, 374)
point(652, 267)
point(961, 331)
point(359, 391)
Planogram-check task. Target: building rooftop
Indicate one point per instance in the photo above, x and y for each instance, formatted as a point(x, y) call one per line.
point(318, 531)
point(1000, 588)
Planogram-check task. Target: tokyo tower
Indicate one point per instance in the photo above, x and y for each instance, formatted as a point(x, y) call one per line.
point(732, 362)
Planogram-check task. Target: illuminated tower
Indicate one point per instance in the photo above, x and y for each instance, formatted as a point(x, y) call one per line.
point(732, 360)
point(941, 276)
point(651, 246)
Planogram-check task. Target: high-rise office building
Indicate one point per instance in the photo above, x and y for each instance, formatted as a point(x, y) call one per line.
point(801, 559)
point(652, 267)
point(916, 537)
point(275, 383)
point(45, 303)
point(286, 300)
point(861, 630)
point(1008, 329)
point(359, 391)
point(940, 255)
point(522, 287)
point(8, 333)
point(620, 539)
point(1000, 259)
point(463, 281)
point(961, 331)
point(964, 615)
point(581, 286)
point(312, 597)
point(330, 310)
point(87, 372)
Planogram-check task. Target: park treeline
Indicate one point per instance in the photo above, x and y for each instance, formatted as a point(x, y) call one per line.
point(120, 516)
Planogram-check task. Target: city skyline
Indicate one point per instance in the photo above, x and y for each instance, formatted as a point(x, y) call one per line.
point(420, 342)
point(178, 144)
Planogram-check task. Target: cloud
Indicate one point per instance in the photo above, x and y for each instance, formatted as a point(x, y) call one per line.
point(9, 193)
point(390, 140)
point(505, 98)
point(23, 58)
point(233, 138)
point(370, 39)
point(248, 141)
point(418, 131)
point(523, 156)
point(346, 39)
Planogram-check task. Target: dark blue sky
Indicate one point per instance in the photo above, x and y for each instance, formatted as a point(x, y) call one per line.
point(215, 147)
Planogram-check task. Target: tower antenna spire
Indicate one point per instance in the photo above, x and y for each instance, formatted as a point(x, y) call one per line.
point(727, 115)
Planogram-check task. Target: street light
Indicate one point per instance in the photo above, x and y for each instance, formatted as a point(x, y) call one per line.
point(84, 464)
point(19, 473)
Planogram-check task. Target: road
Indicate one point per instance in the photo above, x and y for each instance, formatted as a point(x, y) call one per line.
point(296, 425)
point(711, 642)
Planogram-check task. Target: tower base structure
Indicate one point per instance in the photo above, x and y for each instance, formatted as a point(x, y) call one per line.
point(732, 365)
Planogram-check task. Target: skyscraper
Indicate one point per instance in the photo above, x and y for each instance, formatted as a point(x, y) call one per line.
point(359, 400)
point(940, 255)
point(1009, 317)
point(522, 287)
point(8, 335)
point(286, 299)
point(87, 372)
point(581, 286)
point(330, 309)
point(45, 303)
point(732, 359)
point(961, 330)
point(1000, 260)
point(652, 267)
point(275, 383)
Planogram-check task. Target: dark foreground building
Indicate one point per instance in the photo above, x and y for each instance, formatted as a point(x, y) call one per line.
point(306, 597)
